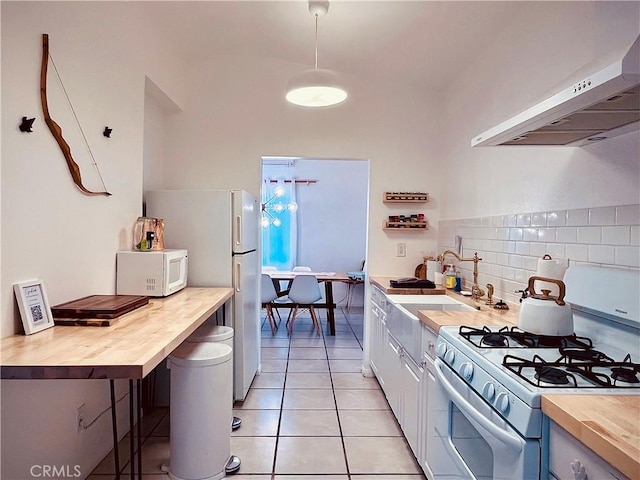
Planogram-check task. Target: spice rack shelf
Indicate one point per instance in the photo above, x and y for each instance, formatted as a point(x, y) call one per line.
point(405, 226)
point(405, 197)
point(406, 223)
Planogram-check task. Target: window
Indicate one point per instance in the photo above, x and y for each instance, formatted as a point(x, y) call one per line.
point(279, 222)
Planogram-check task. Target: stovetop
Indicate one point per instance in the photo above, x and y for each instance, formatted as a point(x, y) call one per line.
point(554, 361)
point(543, 363)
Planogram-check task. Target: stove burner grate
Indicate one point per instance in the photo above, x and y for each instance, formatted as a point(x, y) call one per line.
point(582, 354)
point(515, 338)
point(626, 371)
point(624, 374)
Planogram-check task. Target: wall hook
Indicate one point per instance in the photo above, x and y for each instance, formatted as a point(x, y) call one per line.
point(26, 124)
point(107, 132)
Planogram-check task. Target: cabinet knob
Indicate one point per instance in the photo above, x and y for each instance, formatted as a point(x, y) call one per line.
point(579, 472)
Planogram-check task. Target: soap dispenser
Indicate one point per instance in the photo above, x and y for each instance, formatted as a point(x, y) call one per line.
point(450, 277)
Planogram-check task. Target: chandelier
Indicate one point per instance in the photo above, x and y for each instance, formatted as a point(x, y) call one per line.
point(272, 208)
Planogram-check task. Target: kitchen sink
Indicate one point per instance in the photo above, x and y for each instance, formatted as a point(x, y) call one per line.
point(428, 302)
point(403, 322)
point(414, 307)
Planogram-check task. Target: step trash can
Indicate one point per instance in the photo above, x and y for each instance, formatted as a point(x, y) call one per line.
point(216, 333)
point(201, 411)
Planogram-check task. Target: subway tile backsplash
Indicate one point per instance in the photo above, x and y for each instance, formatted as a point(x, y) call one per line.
point(510, 245)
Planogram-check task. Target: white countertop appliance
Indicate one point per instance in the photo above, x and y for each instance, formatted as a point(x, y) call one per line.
point(152, 273)
point(485, 419)
point(220, 229)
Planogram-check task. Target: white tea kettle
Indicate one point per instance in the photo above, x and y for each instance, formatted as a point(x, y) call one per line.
point(544, 314)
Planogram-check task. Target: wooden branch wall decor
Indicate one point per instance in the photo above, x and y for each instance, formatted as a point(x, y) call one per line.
point(55, 128)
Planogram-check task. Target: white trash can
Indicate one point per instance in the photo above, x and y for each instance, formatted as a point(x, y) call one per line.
point(201, 410)
point(216, 333)
point(212, 333)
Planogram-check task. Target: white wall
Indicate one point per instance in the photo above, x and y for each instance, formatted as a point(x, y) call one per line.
point(536, 56)
point(219, 139)
point(52, 231)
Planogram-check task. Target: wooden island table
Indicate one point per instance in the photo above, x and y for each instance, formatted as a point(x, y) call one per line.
point(129, 349)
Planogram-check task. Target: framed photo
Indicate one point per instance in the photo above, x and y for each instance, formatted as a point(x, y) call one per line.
point(34, 306)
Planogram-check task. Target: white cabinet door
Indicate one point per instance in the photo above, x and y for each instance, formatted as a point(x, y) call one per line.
point(569, 459)
point(411, 396)
point(428, 388)
point(376, 335)
point(393, 365)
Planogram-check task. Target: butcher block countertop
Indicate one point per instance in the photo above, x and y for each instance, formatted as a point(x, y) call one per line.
point(607, 424)
point(486, 315)
point(383, 284)
point(131, 348)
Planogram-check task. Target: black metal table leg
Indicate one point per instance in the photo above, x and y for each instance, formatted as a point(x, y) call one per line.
point(114, 428)
point(139, 412)
point(131, 433)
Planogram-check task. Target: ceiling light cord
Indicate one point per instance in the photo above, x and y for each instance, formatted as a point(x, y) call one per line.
point(316, 15)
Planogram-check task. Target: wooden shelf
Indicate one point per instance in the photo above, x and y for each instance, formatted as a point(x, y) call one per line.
point(405, 226)
point(405, 197)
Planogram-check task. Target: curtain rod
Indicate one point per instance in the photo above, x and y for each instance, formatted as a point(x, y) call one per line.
point(296, 181)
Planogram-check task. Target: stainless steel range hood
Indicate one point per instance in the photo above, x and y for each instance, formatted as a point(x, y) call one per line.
point(603, 105)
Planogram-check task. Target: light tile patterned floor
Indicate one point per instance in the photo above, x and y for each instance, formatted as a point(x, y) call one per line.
point(310, 414)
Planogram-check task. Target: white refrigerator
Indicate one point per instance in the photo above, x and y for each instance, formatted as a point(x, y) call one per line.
point(220, 229)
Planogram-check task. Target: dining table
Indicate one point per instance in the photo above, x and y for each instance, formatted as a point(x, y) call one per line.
point(328, 278)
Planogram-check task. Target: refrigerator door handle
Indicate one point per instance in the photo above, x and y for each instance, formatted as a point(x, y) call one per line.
point(238, 230)
point(238, 276)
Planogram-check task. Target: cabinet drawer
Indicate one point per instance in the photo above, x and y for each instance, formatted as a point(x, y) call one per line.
point(565, 452)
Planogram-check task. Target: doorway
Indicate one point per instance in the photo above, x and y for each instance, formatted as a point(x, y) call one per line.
point(330, 222)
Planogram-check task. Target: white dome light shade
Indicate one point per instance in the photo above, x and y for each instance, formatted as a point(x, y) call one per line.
point(279, 191)
point(316, 87)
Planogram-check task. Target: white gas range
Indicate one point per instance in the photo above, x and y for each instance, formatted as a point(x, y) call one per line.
point(486, 420)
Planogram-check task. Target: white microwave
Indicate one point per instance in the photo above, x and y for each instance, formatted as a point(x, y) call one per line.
point(154, 274)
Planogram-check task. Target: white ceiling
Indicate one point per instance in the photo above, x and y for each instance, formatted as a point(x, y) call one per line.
point(423, 42)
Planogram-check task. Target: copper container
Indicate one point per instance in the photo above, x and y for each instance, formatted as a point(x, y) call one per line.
point(148, 234)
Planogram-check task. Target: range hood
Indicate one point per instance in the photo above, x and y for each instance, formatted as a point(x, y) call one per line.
point(603, 105)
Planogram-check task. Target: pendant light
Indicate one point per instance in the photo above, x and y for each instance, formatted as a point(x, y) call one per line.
point(316, 87)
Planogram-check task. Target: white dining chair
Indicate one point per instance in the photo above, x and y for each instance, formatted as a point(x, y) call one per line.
point(298, 269)
point(269, 295)
point(304, 292)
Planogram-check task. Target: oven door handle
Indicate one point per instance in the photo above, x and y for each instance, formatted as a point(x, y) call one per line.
point(509, 439)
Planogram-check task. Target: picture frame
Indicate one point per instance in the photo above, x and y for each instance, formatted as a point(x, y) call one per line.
point(34, 306)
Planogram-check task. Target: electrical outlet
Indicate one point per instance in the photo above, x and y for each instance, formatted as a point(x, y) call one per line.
point(401, 250)
point(80, 417)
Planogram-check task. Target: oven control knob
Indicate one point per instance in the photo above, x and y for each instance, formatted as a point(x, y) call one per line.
point(466, 371)
point(502, 402)
point(489, 391)
point(441, 349)
point(450, 356)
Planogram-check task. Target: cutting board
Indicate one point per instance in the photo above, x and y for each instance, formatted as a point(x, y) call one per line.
point(96, 310)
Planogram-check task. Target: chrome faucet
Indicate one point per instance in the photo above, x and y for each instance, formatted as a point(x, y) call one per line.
point(476, 291)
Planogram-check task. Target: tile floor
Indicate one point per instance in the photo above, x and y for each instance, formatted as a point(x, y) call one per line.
point(310, 413)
